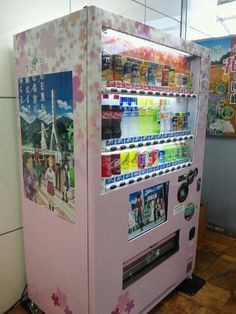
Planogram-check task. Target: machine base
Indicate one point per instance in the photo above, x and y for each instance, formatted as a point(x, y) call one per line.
point(30, 307)
point(191, 285)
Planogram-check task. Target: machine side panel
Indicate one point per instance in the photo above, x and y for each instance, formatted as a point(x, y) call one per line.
point(50, 66)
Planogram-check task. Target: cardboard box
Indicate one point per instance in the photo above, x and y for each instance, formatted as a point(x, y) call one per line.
point(202, 226)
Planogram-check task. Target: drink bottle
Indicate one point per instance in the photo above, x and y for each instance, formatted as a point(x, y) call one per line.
point(151, 74)
point(156, 117)
point(162, 115)
point(141, 116)
point(175, 122)
point(161, 154)
point(168, 116)
point(106, 117)
point(168, 153)
point(133, 124)
point(149, 115)
point(179, 151)
point(174, 152)
point(116, 116)
point(180, 126)
point(185, 150)
point(125, 108)
point(185, 122)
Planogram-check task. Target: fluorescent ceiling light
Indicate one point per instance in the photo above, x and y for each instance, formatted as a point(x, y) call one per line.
point(138, 42)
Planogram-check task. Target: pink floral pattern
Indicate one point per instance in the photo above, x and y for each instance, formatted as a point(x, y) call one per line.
point(125, 304)
point(48, 40)
point(60, 299)
point(55, 299)
point(22, 40)
point(78, 94)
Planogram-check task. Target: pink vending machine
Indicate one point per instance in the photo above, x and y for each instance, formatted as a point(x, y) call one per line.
point(111, 123)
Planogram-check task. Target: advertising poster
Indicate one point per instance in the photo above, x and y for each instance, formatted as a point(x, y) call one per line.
point(46, 118)
point(147, 209)
point(221, 119)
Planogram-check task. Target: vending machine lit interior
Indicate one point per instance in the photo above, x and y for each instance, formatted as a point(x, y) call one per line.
point(111, 119)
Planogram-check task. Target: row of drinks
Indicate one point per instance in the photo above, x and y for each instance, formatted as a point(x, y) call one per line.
point(131, 70)
point(120, 162)
point(139, 116)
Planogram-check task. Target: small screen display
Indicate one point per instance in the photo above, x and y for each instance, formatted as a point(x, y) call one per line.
point(147, 209)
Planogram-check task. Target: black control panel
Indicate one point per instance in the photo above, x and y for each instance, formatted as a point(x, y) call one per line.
point(187, 179)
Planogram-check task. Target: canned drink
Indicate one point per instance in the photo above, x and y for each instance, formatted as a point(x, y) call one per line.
point(165, 75)
point(184, 81)
point(143, 73)
point(127, 69)
point(158, 75)
point(142, 159)
point(115, 164)
point(118, 68)
point(135, 71)
point(178, 79)
point(106, 165)
point(124, 161)
point(171, 77)
point(151, 74)
point(107, 74)
point(133, 160)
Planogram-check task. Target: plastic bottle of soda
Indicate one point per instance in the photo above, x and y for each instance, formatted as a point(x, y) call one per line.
point(126, 113)
point(106, 117)
point(162, 115)
point(141, 116)
point(156, 117)
point(161, 154)
point(116, 117)
point(168, 116)
point(133, 131)
point(149, 115)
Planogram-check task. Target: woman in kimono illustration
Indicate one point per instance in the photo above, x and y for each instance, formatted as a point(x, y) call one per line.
point(29, 184)
point(51, 182)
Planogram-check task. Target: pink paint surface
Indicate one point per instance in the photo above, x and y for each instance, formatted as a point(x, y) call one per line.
point(83, 261)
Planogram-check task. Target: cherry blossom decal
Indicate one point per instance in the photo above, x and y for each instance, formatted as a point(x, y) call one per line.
point(125, 304)
point(60, 299)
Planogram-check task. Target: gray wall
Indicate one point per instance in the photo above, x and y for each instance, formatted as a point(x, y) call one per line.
point(219, 181)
